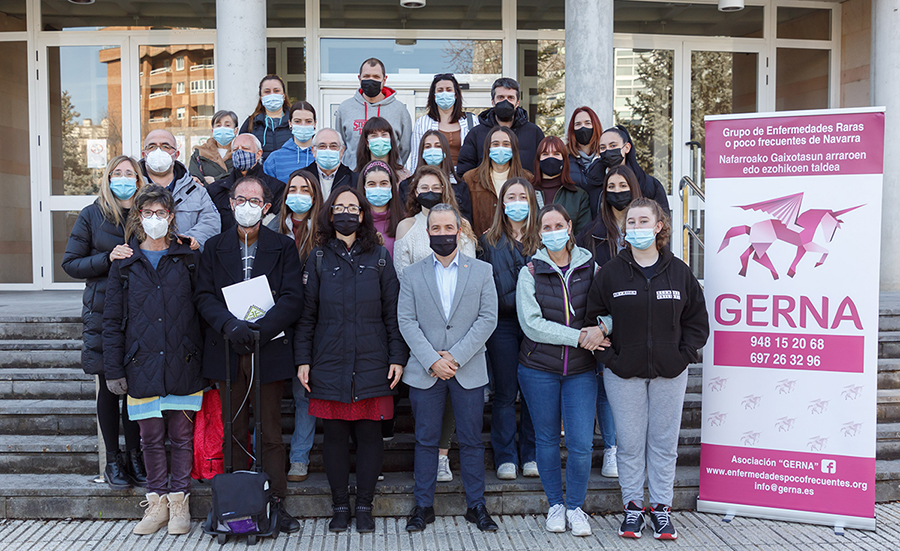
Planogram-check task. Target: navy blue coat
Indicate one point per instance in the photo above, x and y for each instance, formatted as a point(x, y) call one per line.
point(158, 350)
point(220, 266)
point(271, 139)
point(506, 262)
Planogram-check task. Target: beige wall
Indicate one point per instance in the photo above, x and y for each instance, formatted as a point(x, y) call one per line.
point(856, 53)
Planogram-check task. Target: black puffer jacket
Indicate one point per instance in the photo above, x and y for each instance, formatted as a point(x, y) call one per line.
point(594, 238)
point(158, 349)
point(472, 150)
point(87, 257)
point(348, 333)
point(343, 177)
point(220, 192)
point(270, 137)
point(589, 176)
point(507, 261)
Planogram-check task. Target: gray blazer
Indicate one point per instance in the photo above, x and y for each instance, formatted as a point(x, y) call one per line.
point(473, 317)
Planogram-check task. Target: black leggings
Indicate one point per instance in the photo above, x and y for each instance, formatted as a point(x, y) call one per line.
point(336, 455)
point(108, 416)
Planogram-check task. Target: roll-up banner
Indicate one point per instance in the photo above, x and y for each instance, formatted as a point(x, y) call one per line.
point(793, 237)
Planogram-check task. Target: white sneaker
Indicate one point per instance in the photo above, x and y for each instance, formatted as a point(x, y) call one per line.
point(506, 471)
point(444, 474)
point(610, 467)
point(578, 520)
point(556, 518)
point(530, 469)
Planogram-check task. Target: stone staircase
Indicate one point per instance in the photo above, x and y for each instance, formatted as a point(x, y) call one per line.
point(48, 436)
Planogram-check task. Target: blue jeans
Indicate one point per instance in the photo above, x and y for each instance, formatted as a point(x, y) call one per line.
point(304, 425)
point(503, 352)
point(575, 396)
point(604, 413)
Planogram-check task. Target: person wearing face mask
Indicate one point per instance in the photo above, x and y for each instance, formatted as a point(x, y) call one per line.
point(348, 348)
point(656, 314)
point(246, 157)
point(378, 183)
point(149, 308)
point(330, 173)
point(296, 153)
point(583, 147)
point(97, 240)
point(212, 159)
point(373, 99)
point(553, 184)
point(447, 311)
point(557, 371)
point(242, 252)
point(434, 150)
point(503, 247)
point(505, 97)
point(446, 116)
point(377, 143)
point(269, 122)
point(616, 149)
point(195, 213)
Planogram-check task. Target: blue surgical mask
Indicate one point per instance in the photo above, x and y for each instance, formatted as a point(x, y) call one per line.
point(501, 155)
point(379, 146)
point(378, 196)
point(303, 133)
point(516, 211)
point(555, 240)
point(433, 156)
point(298, 202)
point(328, 159)
point(272, 102)
point(223, 135)
point(445, 100)
point(123, 188)
point(640, 238)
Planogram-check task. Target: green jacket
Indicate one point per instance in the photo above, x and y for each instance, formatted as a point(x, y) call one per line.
point(576, 202)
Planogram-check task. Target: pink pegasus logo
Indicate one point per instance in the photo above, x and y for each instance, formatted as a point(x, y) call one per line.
point(788, 225)
point(785, 386)
point(750, 438)
point(751, 401)
point(851, 429)
point(717, 383)
point(851, 392)
point(817, 406)
point(717, 419)
point(817, 444)
point(784, 424)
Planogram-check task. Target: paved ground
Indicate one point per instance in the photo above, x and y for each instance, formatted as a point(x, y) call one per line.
point(517, 533)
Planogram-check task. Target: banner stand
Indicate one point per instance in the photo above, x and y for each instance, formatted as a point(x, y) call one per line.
point(788, 515)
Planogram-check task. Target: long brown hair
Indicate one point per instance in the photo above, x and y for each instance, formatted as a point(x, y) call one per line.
point(483, 171)
point(364, 156)
point(551, 144)
point(501, 225)
point(108, 203)
point(594, 144)
point(259, 106)
point(433, 112)
point(366, 235)
point(606, 210)
point(305, 240)
point(447, 164)
point(395, 205)
point(555, 207)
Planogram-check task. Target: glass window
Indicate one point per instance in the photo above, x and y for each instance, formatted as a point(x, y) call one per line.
point(286, 13)
point(12, 18)
point(179, 87)
point(412, 57)
point(287, 59)
point(62, 224)
point(179, 63)
point(389, 14)
point(15, 169)
point(63, 15)
point(804, 23)
point(542, 79)
point(541, 14)
point(85, 115)
point(179, 113)
point(801, 79)
point(633, 16)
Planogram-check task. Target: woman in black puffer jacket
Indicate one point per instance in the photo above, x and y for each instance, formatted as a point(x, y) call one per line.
point(349, 349)
point(97, 238)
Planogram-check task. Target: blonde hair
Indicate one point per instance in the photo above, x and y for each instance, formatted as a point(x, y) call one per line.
point(109, 205)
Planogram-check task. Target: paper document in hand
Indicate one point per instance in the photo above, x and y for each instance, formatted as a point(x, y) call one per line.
point(250, 300)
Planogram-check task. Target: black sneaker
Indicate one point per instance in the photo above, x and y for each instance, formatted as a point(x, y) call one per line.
point(633, 523)
point(663, 529)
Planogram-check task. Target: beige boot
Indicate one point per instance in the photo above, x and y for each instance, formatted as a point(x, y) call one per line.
point(179, 513)
point(155, 516)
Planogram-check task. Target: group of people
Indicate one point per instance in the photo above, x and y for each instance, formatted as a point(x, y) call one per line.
point(447, 260)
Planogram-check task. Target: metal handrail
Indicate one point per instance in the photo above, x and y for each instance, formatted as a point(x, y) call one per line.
point(687, 181)
point(685, 186)
point(692, 232)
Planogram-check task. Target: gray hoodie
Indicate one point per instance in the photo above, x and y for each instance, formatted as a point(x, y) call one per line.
point(354, 112)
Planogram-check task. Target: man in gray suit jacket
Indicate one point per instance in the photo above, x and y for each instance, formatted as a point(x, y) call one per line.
point(447, 310)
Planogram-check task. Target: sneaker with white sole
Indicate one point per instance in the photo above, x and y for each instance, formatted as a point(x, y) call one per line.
point(530, 469)
point(610, 467)
point(298, 472)
point(634, 521)
point(660, 516)
point(556, 519)
point(506, 471)
point(443, 472)
point(578, 521)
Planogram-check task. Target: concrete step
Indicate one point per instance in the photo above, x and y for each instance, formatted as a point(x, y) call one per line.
point(41, 358)
point(28, 417)
point(889, 344)
point(888, 373)
point(46, 383)
point(888, 406)
point(59, 328)
point(41, 344)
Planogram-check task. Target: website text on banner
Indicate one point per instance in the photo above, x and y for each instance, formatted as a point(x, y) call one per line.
point(793, 214)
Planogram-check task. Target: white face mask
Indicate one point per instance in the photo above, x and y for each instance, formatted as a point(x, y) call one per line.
point(159, 161)
point(155, 227)
point(247, 215)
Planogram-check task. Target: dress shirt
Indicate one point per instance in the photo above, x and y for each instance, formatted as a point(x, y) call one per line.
point(446, 280)
point(326, 181)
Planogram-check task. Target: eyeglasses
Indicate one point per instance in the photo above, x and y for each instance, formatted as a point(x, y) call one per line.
point(340, 209)
point(443, 76)
point(331, 146)
point(255, 201)
point(164, 146)
point(120, 174)
point(161, 213)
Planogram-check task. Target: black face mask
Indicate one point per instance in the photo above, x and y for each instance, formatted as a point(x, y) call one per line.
point(618, 199)
point(345, 223)
point(583, 135)
point(612, 157)
point(370, 88)
point(429, 199)
point(442, 245)
point(551, 166)
point(504, 111)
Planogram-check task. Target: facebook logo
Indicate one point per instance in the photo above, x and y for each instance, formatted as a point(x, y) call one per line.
point(829, 466)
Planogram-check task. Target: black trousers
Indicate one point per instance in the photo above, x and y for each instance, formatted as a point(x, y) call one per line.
point(336, 454)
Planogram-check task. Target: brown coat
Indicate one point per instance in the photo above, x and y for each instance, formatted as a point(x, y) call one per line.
point(484, 202)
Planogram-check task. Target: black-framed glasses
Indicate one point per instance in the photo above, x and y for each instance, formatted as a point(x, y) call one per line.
point(161, 213)
point(340, 209)
point(256, 202)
